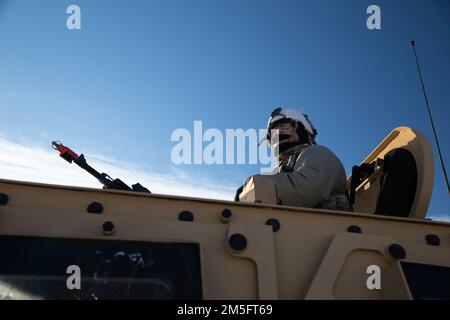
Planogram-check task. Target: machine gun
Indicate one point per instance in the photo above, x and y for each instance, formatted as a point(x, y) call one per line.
point(108, 183)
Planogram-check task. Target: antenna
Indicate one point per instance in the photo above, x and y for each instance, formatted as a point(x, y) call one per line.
point(431, 118)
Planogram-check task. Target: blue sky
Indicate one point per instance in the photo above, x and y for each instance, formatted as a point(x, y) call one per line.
point(137, 70)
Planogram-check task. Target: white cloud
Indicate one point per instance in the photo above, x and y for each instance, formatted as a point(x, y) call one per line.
point(30, 163)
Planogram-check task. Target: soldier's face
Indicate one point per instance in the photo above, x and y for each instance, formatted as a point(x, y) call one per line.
point(283, 133)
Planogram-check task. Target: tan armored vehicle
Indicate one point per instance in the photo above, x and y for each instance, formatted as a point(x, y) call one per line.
point(137, 245)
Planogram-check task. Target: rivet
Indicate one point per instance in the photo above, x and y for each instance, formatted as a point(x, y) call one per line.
point(225, 215)
point(95, 207)
point(432, 239)
point(108, 228)
point(354, 229)
point(186, 216)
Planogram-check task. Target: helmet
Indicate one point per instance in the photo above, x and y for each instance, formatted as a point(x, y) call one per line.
point(281, 115)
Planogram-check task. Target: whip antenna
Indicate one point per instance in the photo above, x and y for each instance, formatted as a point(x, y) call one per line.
point(431, 118)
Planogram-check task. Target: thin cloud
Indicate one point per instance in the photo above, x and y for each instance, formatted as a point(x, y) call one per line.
point(440, 217)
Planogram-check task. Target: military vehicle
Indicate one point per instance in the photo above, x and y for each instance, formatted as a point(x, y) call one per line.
point(61, 242)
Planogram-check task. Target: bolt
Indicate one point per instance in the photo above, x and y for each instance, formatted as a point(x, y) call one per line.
point(274, 223)
point(237, 242)
point(108, 228)
point(186, 216)
point(354, 229)
point(95, 207)
point(225, 215)
point(432, 239)
point(396, 251)
point(3, 199)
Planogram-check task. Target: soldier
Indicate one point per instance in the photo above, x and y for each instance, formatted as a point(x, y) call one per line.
point(307, 175)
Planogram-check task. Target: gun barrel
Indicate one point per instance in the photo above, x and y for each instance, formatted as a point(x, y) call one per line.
point(81, 162)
